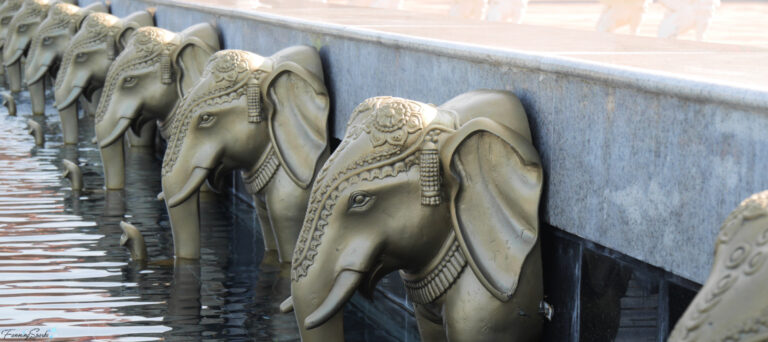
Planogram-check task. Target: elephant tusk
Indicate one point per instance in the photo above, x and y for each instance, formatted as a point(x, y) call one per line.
point(14, 58)
point(74, 174)
point(161, 196)
point(37, 131)
point(344, 287)
point(10, 103)
point(196, 179)
point(134, 241)
point(37, 76)
point(73, 95)
point(117, 133)
point(287, 305)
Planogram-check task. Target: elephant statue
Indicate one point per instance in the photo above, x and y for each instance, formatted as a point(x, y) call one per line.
point(448, 196)
point(8, 10)
point(145, 83)
point(265, 116)
point(732, 305)
point(87, 58)
point(47, 47)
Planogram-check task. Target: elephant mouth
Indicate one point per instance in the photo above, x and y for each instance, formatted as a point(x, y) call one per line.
point(196, 179)
point(76, 91)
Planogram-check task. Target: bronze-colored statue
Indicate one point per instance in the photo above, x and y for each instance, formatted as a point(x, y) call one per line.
point(9, 102)
point(36, 131)
point(266, 116)
point(20, 32)
point(73, 172)
point(88, 57)
point(733, 304)
point(8, 10)
point(145, 83)
point(47, 47)
point(449, 196)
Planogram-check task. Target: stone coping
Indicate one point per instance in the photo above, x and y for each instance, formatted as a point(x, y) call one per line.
point(730, 74)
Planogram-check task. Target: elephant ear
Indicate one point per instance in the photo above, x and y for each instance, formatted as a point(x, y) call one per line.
point(197, 45)
point(297, 105)
point(494, 178)
point(129, 25)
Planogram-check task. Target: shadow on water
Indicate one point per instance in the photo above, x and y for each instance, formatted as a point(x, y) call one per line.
point(62, 268)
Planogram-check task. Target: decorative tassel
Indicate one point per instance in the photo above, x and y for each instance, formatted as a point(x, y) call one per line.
point(111, 48)
point(253, 93)
point(166, 74)
point(429, 176)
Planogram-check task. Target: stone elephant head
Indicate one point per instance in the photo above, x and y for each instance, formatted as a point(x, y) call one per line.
point(48, 44)
point(449, 196)
point(732, 305)
point(90, 53)
point(20, 32)
point(145, 83)
point(8, 10)
point(266, 116)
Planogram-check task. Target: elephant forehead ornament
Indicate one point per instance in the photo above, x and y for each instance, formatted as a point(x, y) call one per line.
point(98, 28)
point(732, 305)
point(430, 191)
point(62, 18)
point(235, 74)
point(152, 46)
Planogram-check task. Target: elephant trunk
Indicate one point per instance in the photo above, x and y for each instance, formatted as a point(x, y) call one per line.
point(13, 74)
point(185, 225)
point(113, 161)
point(69, 125)
point(37, 95)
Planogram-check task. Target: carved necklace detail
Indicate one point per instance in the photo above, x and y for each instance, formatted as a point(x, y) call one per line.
point(265, 169)
point(427, 288)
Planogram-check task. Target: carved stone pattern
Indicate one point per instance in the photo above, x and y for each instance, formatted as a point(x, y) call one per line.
point(440, 279)
point(389, 124)
point(753, 329)
point(231, 71)
point(148, 44)
point(63, 16)
point(744, 260)
point(262, 173)
point(32, 13)
point(98, 27)
point(12, 6)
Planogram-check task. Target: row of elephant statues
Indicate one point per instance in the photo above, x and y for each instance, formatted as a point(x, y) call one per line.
point(447, 195)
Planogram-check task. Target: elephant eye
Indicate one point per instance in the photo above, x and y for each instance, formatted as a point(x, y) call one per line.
point(6, 21)
point(81, 57)
point(360, 200)
point(129, 81)
point(23, 28)
point(206, 120)
point(47, 41)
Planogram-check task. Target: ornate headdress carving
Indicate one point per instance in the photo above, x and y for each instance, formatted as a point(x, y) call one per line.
point(62, 16)
point(98, 28)
point(396, 131)
point(228, 76)
point(32, 12)
point(10, 7)
point(149, 47)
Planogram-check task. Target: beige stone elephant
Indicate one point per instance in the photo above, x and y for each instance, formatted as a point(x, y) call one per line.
point(448, 196)
point(266, 116)
point(733, 304)
point(145, 83)
point(88, 56)
point(47, 47)
point(8, 10)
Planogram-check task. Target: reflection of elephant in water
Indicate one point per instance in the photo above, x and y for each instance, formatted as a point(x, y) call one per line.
point(47, 48)
point(265, 116)
point(145, 83)
point(8, 10)
point(20, 32)
point(428, 191)
point(732, 305)
point(88, 57)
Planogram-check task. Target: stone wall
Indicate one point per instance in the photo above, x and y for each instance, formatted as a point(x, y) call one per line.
point(642, 163)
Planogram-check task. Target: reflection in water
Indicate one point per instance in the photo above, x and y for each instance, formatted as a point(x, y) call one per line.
point(61, 264)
